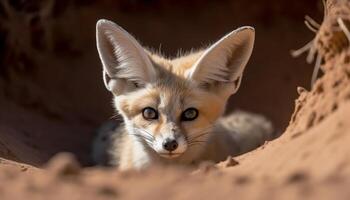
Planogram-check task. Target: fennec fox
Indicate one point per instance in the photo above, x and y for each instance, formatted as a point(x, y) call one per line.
point(171, 107)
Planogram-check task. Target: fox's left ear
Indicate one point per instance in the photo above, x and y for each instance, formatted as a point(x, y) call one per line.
point(223, 62)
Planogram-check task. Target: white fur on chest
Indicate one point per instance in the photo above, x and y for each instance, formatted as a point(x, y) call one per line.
point(141, 157)
point(140, 154)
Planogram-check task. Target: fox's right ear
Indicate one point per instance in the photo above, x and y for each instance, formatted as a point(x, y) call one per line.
point(125, 62)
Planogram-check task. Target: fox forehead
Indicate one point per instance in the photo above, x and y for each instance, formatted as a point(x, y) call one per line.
point(177, 66)
point(170, 88)
point(169, 95)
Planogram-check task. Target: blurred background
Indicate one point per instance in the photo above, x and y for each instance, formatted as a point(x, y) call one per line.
point(51, 92)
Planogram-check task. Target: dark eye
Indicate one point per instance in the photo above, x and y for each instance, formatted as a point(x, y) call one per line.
point(189, 114)
point(149, 113)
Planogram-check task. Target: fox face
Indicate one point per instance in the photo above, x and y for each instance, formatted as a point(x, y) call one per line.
point(171, 105)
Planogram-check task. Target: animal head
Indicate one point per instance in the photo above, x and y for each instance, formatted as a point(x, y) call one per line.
point(171, 104)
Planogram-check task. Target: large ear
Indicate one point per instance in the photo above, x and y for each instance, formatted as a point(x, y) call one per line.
point(124, 60)
point(224, 61)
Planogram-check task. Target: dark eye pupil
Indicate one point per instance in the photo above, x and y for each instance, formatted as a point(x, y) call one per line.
point(189, 114)
point(149, 113)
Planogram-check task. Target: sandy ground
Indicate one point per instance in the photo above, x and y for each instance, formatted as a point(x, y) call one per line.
point(311, 160)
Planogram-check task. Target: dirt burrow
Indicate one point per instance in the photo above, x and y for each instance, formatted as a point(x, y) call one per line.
point(311, 160)
point(52, 97)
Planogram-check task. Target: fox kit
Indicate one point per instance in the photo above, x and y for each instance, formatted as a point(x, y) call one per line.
point(171, 108)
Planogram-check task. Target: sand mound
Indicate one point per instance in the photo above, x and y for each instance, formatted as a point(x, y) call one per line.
point(310, 160)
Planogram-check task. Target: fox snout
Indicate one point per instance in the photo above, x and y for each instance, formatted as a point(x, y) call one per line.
point(170, 145)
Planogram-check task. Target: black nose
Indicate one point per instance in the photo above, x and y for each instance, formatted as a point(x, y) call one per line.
point(170, 144)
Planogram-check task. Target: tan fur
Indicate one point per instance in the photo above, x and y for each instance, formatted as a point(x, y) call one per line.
point(139, 79)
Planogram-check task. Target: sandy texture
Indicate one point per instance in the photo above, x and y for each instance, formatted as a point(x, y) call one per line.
point(311, 160)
